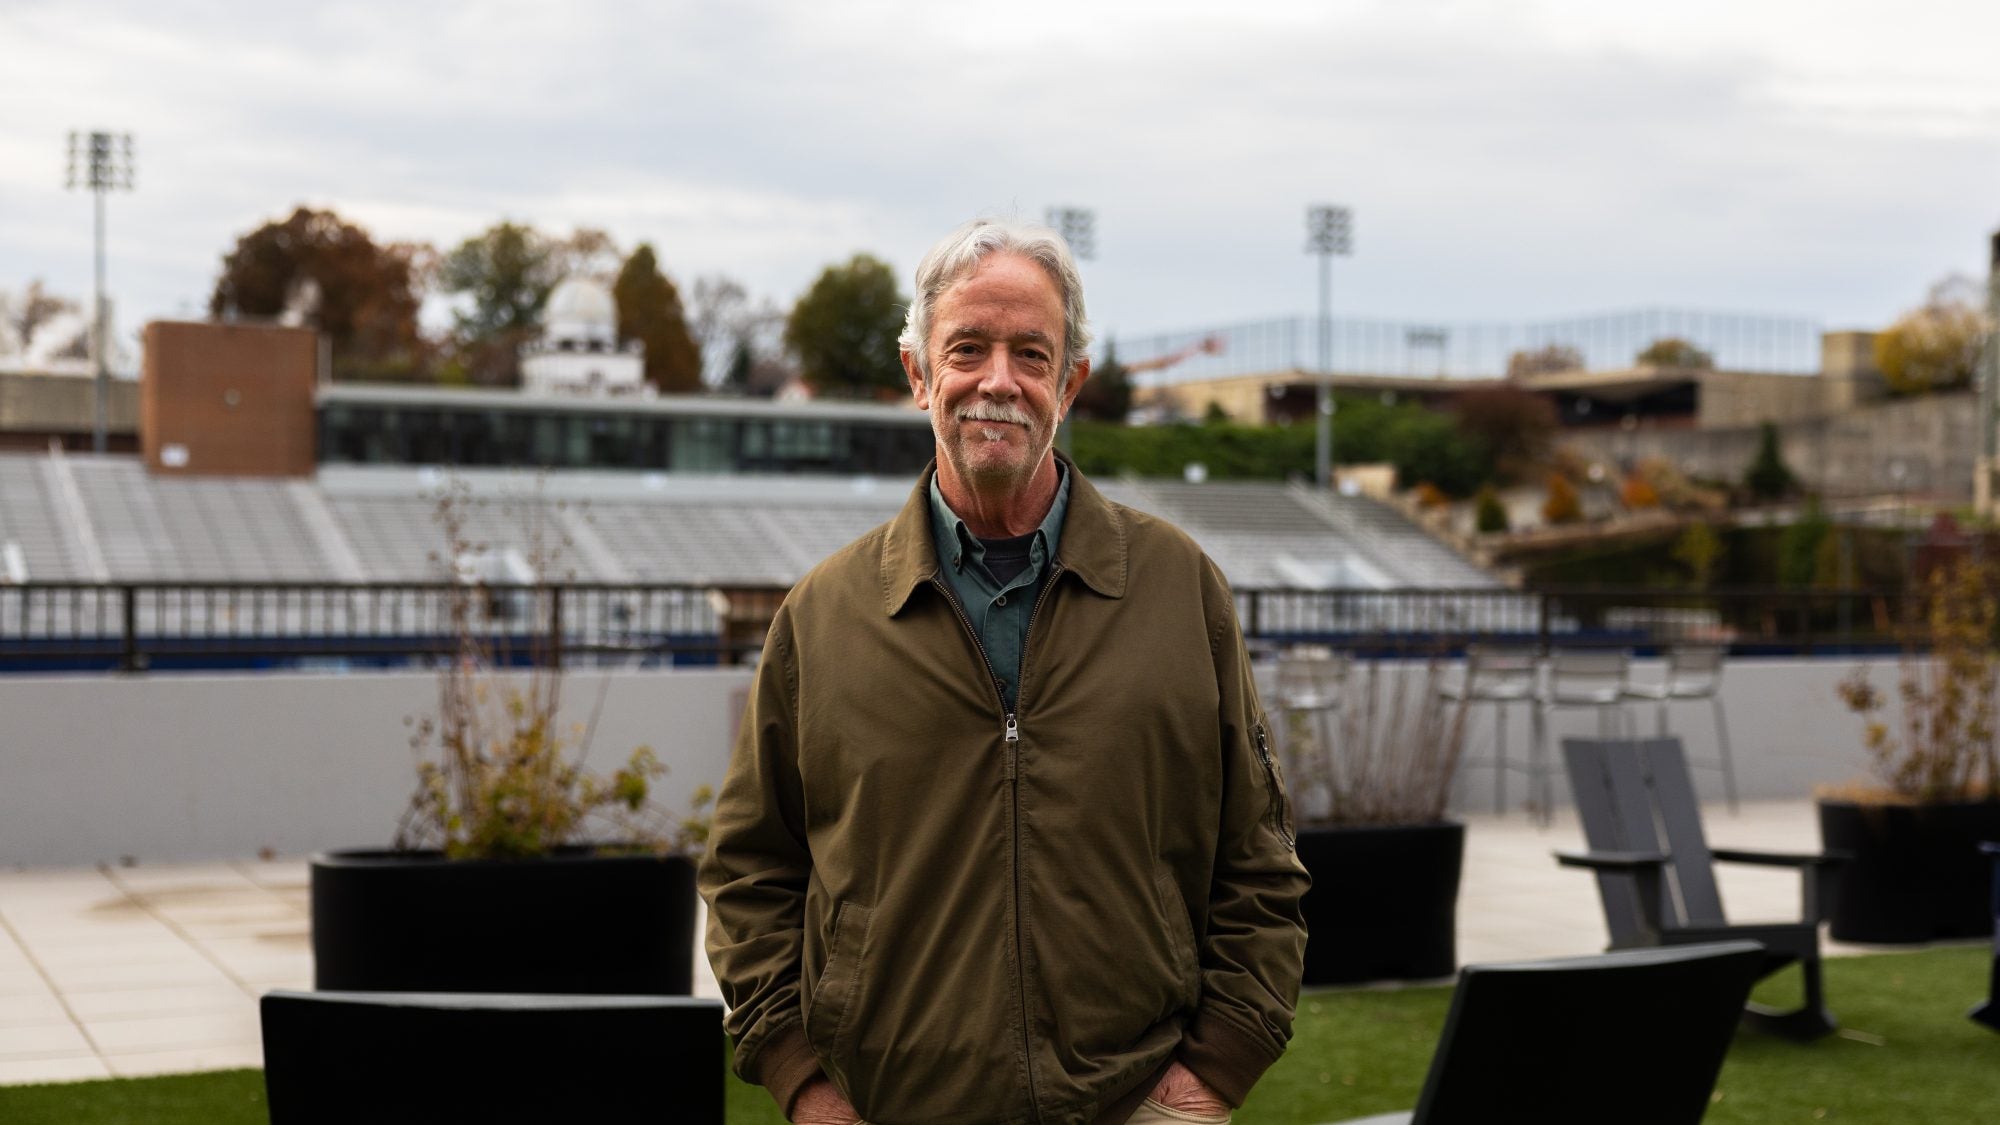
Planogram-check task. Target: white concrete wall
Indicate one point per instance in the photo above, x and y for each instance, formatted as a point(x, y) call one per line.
point(167, 767)
point(170, 767)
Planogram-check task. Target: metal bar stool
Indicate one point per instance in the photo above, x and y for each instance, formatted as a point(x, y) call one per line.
point(1695, 672)
point(1593, 678)
point(1498, 675)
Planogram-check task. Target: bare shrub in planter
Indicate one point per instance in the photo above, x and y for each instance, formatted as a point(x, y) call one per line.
point(500, 777)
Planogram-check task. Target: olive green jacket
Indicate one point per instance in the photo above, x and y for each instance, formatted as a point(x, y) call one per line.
point(964, 915)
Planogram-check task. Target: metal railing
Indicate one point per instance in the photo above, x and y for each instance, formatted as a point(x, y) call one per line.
point(141, 625)
point(1748, 620)
point(1362, 346)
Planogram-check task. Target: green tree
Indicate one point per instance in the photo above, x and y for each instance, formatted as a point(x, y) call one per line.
point(1489, 514)
point(1768, 477)
point(649, 311)
point(361, 295)
point(1672, 351)
point(844, 330)
point(1936, 346)
point(1699, 549)
point(1800, 558)
point(505, 274)
point(1425, 446)
point(1107, 395)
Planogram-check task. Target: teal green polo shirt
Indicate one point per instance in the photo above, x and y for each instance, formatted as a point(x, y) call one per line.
point(998, 609)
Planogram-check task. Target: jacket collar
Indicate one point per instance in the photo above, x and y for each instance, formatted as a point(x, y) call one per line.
point(1093, 542)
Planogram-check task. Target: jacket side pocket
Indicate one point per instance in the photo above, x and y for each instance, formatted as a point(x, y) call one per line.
point(1180, 932)
point(1274, 784)
point(826, 1016)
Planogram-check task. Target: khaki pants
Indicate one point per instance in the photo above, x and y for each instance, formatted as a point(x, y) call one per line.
point(1151, 1112)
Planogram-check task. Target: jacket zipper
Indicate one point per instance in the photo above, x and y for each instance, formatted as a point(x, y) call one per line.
point(1010, 735)
point(1276, 791)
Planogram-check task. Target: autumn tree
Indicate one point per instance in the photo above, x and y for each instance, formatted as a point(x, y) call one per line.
point(1672, 351)
point(1935, 346)
point(22, 318)
point(649, 311)
point(844, 330)
point(1545, 360)
point(1511, 427)
point(335, 278)
point(1107, 395)
point(1562, 505)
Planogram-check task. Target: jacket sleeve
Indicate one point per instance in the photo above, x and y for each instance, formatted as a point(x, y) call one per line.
point(1254, 949)
point(754, 880)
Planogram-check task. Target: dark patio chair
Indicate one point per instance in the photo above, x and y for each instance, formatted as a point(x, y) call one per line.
point(1634, 1037)
point(1989, 1012)
point(1655, 870)
point(394, 1057)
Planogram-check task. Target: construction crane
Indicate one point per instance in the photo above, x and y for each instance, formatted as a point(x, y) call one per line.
point(1207, 345)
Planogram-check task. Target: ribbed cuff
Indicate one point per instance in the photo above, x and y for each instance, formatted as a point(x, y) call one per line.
point(784, 1065)
point(1226, 1058)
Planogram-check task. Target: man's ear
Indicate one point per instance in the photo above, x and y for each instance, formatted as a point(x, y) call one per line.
point(919, 389)
point(1076, 379)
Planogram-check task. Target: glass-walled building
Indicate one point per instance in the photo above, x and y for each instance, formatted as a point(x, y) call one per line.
point(407, 426)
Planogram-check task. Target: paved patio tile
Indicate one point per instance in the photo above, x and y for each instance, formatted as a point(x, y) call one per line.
point(186, 1060)
point(166, 975)
point(81, 1067)
point(21, 982)
point(131, 1035)
point(191, 969)
point(53, 1037)
point(31, 1008)
point(182, 999)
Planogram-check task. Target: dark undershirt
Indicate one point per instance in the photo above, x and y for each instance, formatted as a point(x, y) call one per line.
point(1008, 557)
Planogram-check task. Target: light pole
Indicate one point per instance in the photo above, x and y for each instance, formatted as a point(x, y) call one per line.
point(1983, 498)
point(1078, 226)
point(101, 162)
point(1329, 231)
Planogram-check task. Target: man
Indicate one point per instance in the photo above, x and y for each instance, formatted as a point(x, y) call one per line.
point(1003, 839)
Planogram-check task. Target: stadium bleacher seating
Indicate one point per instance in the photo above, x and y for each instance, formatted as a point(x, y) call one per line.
point(76, 515)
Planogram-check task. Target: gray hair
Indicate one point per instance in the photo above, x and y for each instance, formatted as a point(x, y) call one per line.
point(961, 251)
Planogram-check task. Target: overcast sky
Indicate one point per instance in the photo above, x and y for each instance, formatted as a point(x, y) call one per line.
point(1505, 160)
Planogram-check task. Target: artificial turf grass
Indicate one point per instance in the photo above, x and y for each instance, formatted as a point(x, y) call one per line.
point(1907, 1056)
point(216, 1097)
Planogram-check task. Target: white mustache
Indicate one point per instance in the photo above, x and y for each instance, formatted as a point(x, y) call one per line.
point(996, 412)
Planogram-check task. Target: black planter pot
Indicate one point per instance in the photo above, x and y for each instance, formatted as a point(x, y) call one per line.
point(1917, 873)
point(575, 923)
point(1384, 902)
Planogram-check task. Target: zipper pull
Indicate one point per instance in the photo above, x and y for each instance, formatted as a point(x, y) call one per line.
point(1013, 729)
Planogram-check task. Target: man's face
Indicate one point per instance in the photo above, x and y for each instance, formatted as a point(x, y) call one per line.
point(995, 352)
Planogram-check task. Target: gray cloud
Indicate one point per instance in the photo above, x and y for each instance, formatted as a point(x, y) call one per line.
point(1502, 164)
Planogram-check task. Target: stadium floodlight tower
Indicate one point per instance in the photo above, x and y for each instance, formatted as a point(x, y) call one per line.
point(1078, 226)
point(1983, 498)
point(101, 162)
point(1329, 231)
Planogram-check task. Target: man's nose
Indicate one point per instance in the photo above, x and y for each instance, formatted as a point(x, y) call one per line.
point(1001, 378)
